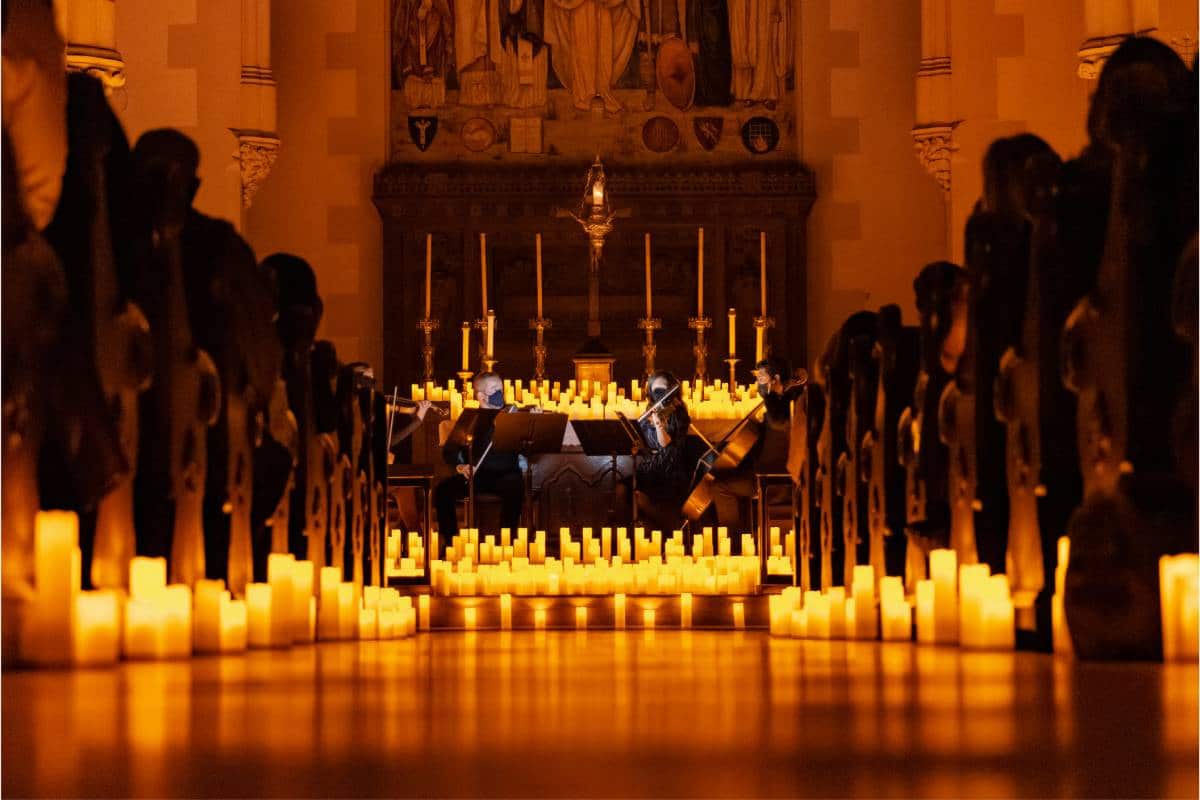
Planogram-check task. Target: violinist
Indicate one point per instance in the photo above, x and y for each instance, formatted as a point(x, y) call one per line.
point(770, 453)
point(498, 473)
point(663, 476)
point(415, 414)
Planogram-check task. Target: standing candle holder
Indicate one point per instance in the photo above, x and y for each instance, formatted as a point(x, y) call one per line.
point(540, 324)
point(699, 325)
point(465, 375)
point(485, 358)
point(649, 349)
point(428, 326)
point(732, 362)
point(764, 323)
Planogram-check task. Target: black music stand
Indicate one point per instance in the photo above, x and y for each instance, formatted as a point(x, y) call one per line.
point(612, 438)
point(529, 434)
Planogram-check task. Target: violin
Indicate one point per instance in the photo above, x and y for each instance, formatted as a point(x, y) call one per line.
point(655, 415)
point(728, 454)
point(403, 405)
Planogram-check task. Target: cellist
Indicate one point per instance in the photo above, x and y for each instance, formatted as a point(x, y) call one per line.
point(770, 453)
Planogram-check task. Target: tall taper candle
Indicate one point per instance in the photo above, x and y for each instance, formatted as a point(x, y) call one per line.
point(762, 270)
point(483, 270)
point(491, 331)
point(428, 271)
point(539, 275)
point(466, 347)
point(700, 276)
point(732, 333)
point(648, 304)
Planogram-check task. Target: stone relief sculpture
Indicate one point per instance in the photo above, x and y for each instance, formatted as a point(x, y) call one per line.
point(759, 41)
point(592, 41)
point(524, 56)
point(422, 46)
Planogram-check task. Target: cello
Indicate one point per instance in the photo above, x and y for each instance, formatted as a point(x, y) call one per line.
point(727, 454)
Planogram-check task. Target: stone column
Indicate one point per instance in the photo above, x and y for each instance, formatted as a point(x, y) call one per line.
point(258, 141)
point(89, 28)
point(1107, 23)
point(933, 133)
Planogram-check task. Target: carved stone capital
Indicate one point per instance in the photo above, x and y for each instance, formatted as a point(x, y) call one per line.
point(257, 151)
point(100, 62)
point(934, 145)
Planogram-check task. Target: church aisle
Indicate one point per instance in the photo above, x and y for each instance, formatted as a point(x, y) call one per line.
point(603, 714)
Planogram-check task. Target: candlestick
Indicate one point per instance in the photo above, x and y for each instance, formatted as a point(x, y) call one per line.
point(732, 362)
point(491, 333)
point(700, 350)
point(540, 324)
point(427, 326)
point(428, 272)
point(481, 325)
point(649, 349)
point(700, 275)
point(762, 347)
point(466, 346)
point(732, 334)
point(539, 275)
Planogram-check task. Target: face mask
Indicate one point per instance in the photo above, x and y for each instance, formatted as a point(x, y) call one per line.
point(496, 398)
point(657, 394)
point(764, 389)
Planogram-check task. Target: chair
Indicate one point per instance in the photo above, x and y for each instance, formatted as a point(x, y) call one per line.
point(418, 477)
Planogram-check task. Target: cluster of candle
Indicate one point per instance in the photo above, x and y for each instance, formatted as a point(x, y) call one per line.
point(1179, 589)
point(396, 563)
point(596, 400)
point(65, 625)
point(959, 604)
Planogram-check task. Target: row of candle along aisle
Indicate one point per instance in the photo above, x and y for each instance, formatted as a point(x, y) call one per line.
point(595, 400)
point(612, 545)
point(62, 624)
point(595, 612)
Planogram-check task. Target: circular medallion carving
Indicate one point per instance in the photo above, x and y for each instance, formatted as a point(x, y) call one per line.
point(660, 134)
point(478, 134)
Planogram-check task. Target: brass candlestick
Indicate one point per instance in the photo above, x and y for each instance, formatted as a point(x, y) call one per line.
point(649, 349)
point(465, 376)
point(486, 359)
point(732, 362)
point(539, 349)
point(700, 349)
point(763, 323)
point(428, 326)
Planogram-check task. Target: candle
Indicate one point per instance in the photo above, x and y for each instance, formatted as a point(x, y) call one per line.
point(739, 615)
point(837, 612)
point(279, 576)
point(48, 629)
point(428, 272)
point(368, 623)
point(799, 626)
point(347, 611)
point(972, 579)
point(539, 276)
point(539, 619)
point(97, 637)
point(758, 343)
point(700, 276)
point(685, 610)
point(925, 612)
point(732, 333)
point(177, 613)
point(581, 615)
point(997, 616)
point(423, 610)
point(466, 347)
point(619, 611)
point(762, 271)
point(145, 633)
point(206, 634)
point(943, 570)
point(863, 593)
point(649, 314)
point(258, 605)
point(491, 331)
point(817, 607)
point(648, 618)
point(598, 194)
point(506, 612)
point(483, 270)
point(233, 624)
point(327, 606)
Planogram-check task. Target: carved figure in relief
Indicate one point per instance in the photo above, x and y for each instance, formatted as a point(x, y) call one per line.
point(592, 41)
point(759, 35)
point(523, 54)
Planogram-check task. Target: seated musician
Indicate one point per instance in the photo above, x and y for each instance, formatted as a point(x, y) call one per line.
point(663, 476)
point(770, 453)
point(498, 473)
point(409, 419)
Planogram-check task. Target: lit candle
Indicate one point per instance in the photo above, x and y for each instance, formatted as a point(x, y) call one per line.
point(762, 271)
point(233, 624)
point(943, 570)
point(739, 615)
point(732, 333)
point(258, 605)
point(177, 609)
point(539, 276)
point(466, 347)
point(648, 618)
point(685, 610)
point(581, 618)
point(539, 619)
point(648, 304)
point(423, 610)
point(758, 343)
point(279, 576)
point(49, 624)
point(428, 272)
point(837, 612)
point(483, 270)
point(972, 580)
point(799, 626)
point(347, 611)
point(145, 633)
point(925, 612)
point(97, 637)
point(700, 277)
point(619, 611)
point(207, 620)
point(506, 612)
point(863, 592)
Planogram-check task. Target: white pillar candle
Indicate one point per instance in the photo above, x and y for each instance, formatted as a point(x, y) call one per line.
point(423, 609)
point(506, 612)
point(177, 605)
point(428, 272)
point(762, 272)
point(1058, 615)
point(648, 618)
point(368, 623)
point(234, 625)
point(863, 591)
point(1177, 579)
point(279, 576)
point(837, 612)
point(581, 616)
point(483, 283)
point(470, 617)
point(147, 577)
point(466, 347)
point(97, 638)
point(739, 615)
point(851, 620)
point(972, 579)
point(206, 621)
point(700, 274)
point(799, 626)
point(619, 611)
point(732, 333)
point(896, 622)
point(145, 630)
point(925, 612)
point(48, 628)
point(347, 611)
point(685, 610)
point(538, 240)
point(258, 608)
point(539, 619)
point(491, 331)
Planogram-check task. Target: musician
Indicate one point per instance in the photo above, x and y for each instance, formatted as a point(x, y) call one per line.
point(416, 415)
point(770, 453)
point(663, 475)
point(499, 473)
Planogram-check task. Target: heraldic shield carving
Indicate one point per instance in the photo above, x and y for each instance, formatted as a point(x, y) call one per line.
point(422, 130)
point(708, 131)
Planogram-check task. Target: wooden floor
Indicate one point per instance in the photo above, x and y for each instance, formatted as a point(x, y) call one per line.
point(605, 714)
